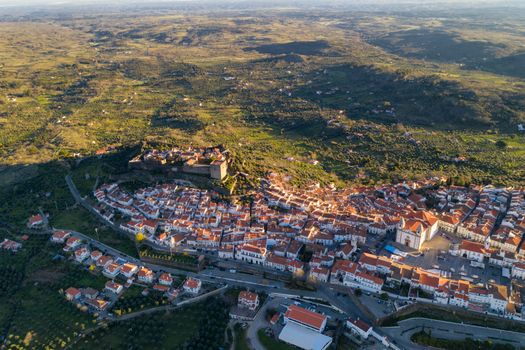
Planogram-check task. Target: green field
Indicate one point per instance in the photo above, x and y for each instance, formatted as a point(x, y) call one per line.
point(34, 315)
point(270, 89)
point(199, 326)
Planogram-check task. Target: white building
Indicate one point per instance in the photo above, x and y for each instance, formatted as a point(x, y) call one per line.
point(518, 270)
point(359, 327)
point(251, 254)
point(192, 285)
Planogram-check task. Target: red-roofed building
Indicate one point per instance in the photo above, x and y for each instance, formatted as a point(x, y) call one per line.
point(248, 300)
point(416, 228)
point(165, 279)
point(104, 261)
point(145, 275)
point(251, 253)
point(359, 327)
point(97, 304)
point(305, 318)
point(60, 236)
point(128, 270)
point(72, 294)
point(95, 255)
point(369, 282)
point(161, 288)
point(72, 243)
point(35, 221)
point(114, 287)
point(346, 250)
point(192, 285)
point(472, 250)
point(319, 274)
point(295, 266)
point(518, 270)
point(111, 270)
point(81, 254)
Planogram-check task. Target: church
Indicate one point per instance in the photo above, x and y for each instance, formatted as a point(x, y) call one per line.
point(416, 229)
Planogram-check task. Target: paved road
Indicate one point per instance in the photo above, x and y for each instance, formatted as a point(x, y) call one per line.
point(105, 248)
point(450, 330)
point(260, 322)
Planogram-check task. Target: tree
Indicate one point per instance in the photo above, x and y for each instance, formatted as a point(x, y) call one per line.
point(358, 292)
point(384, 296)
point(501, 144)
point(139, 237)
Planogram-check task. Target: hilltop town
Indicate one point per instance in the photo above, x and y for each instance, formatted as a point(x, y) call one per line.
point(262, 175)
point(377, 239)
point(313, 260)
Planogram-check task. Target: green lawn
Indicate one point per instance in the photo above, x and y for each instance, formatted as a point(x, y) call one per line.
point(133, 300)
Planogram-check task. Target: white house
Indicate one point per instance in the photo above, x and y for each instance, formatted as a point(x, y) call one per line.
point(369, 282)
point(518, 270)
point(128, 270)
point(248, 300)
point(472, 250)
point(81, 254)
point(72, 294)
point(192, 285)
point(165, 279)
point(114, 287)
point(359, 327)
point(145, 275)
point(60, 236)
point(251, 254)
point(111, 270)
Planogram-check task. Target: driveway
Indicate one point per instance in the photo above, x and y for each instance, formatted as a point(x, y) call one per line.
point(260, 322)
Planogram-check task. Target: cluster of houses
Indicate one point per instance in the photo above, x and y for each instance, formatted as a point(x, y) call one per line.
point(372, 273)
point(10, 245)
point(210, 161)
point(121, 275)
point(282, 222)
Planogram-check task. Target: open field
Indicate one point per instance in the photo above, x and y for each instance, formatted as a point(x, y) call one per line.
point(370, 96)
point(195, 327)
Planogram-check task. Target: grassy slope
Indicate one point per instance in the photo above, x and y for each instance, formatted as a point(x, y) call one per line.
point(120, 86)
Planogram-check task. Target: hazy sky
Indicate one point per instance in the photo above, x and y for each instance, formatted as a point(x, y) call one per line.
point(62, 2)
point(434, 4)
